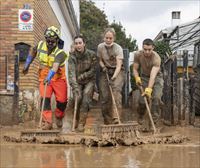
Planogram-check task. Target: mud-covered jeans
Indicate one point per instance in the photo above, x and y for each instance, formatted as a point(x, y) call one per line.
point(83, 104)
point(84, 101)
point(105, 96)
point(156, 97)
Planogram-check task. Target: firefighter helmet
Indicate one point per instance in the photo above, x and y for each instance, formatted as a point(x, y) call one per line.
point(52, 32)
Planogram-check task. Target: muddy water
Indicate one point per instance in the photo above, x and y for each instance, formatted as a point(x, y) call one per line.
point(185, 155)
point(59, 156)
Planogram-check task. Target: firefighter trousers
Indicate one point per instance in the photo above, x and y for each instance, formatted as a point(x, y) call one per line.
point(59, 88)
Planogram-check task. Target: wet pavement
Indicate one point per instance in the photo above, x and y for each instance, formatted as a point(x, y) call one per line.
point(185, 155)
point(62, 156)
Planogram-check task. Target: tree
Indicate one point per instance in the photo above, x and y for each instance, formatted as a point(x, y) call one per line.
point(121, 38)
point(162, 48)
point(93, 21)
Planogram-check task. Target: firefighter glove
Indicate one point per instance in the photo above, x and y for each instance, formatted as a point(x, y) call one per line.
point(147, 92)
point(29, 59)
point(138, 80)
point(49, 76)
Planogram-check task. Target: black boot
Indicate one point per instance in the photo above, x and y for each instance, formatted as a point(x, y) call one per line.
point(59, 122)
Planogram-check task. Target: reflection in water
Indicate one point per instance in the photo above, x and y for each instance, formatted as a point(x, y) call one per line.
point(55, 159)
point(58, 156)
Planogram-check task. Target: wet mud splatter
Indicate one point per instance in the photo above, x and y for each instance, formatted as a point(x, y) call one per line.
point(98, 141)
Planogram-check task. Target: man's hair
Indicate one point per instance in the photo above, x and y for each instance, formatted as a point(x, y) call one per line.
point(148, 42)
point(79, 36)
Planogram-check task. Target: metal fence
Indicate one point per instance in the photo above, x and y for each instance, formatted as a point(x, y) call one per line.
point(125, 92)
point(176, 93)
point(169, 91)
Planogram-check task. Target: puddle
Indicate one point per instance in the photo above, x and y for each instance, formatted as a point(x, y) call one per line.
point(62, 156)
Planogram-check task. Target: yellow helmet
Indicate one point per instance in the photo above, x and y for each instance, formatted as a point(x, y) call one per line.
point(52, 32)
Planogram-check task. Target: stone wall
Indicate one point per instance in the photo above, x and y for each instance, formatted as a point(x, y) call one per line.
point(6, 108)
point(27, 109)
point(29, 103)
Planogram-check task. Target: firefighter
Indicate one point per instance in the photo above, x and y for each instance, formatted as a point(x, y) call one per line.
point(51, 72)
point(82, 73)
point(111, 62)
point(151, 78)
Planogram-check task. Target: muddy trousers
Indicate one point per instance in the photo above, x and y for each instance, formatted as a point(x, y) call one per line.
point(84, 101)
point(59, 88)
point(105, 96)
point(156, 97)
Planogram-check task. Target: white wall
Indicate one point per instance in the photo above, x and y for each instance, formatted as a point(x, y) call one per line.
point(131, 57)
point(131, 60)
point(76, 5)
point(65, 32)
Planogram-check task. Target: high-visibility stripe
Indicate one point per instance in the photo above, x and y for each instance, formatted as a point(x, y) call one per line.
point(46, 59)
point(40, 45)
point(42, 51)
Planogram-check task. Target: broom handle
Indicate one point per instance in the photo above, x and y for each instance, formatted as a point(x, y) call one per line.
point(113, 99)
point(148, 110)
point(43, 101)
point(75, 113)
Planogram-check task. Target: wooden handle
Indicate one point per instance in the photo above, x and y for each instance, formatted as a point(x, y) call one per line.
point(75, 113)
point(148, 109)
point(43, 101)
point(113, 100)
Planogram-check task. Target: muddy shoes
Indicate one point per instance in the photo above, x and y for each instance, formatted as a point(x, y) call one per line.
point(140, 114)
point(59, 123)
point(115, 121)
point(80, 128)
point(46, 126)
point(82, 121)
point(140, 119)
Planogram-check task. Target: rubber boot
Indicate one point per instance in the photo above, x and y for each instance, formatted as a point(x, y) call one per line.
point(115, 121)
point(59, 122)
point(46, 125)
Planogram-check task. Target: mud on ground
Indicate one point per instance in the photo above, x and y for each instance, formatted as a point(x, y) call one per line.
point(168, 135)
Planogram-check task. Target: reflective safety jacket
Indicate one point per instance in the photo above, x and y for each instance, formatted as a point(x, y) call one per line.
point(46, 61)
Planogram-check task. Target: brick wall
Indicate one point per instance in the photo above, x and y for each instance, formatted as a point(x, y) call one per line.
point(9, 35)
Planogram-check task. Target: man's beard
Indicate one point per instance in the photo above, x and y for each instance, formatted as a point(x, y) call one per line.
point(51, 46)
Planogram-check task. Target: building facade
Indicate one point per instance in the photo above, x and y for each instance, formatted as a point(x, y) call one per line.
point(19, 94)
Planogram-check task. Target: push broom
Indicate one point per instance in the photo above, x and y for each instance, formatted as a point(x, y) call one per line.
point(119, 130)
point(39, 131)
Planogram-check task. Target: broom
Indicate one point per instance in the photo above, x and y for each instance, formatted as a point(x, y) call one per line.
point(119, 130)
point(39, 131)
